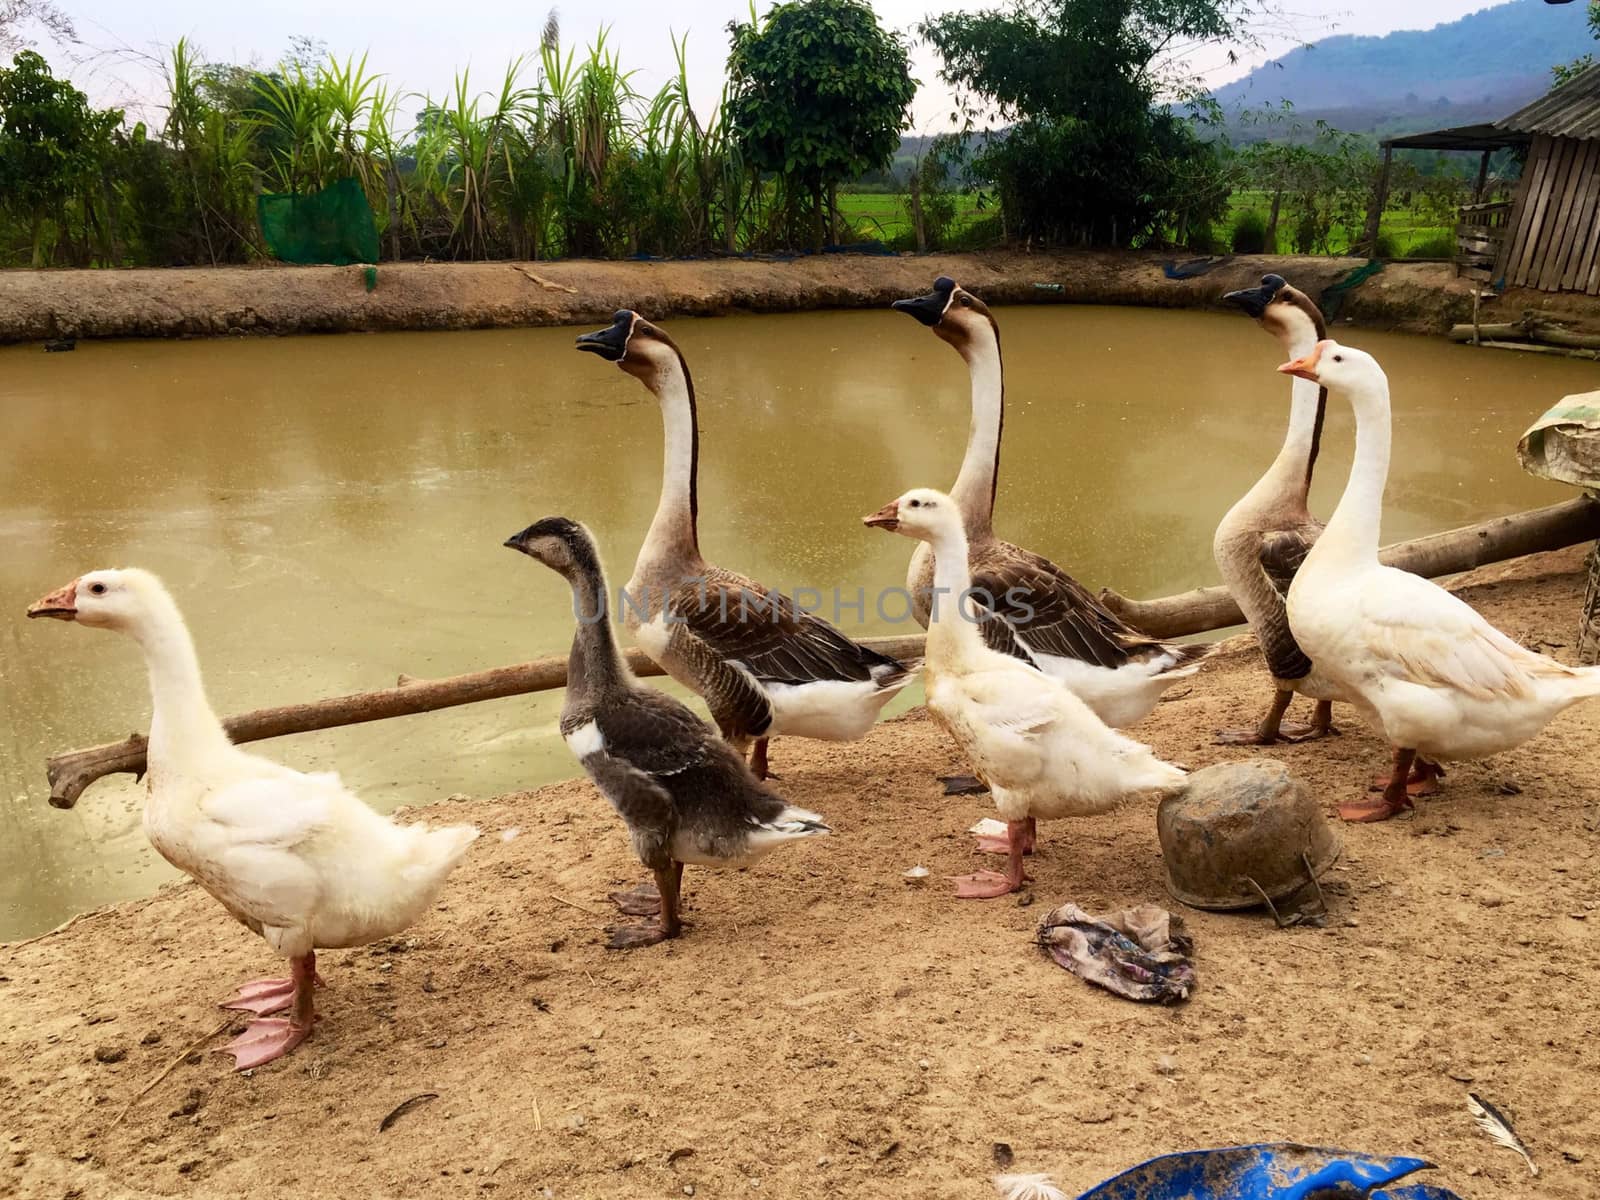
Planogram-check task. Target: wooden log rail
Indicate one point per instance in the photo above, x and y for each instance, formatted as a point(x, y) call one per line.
point(1445, 553)
point(72, 771)
point(1197, 611)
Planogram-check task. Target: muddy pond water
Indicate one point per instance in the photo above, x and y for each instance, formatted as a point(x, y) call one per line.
point(329, 512)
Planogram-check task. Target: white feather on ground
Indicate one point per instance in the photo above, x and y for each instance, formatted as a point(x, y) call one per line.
point(1495, 1123)
point(1028, 1187)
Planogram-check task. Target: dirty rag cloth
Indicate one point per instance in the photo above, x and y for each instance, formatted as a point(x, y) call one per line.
point(1139, 953)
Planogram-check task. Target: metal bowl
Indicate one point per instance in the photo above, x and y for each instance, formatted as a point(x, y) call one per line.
point(1243, 834)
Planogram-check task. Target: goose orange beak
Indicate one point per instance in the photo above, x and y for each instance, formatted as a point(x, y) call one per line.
point(887, 517)
point(61, 604)
point(1305, 368)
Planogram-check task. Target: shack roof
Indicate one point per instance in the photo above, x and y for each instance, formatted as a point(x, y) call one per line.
point(1461, 137)
point(1570, 110)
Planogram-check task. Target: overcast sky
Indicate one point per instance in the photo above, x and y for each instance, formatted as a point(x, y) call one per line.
point(419, 44)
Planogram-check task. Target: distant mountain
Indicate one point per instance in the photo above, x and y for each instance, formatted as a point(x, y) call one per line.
point(1485, 65)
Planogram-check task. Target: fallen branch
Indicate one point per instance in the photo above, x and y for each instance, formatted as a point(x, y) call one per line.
point(1531, 328)
point(72, 771)
point(1439, 554)
point(172, 1066)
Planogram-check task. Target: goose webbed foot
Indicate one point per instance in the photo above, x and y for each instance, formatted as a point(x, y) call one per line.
point(268, 1038)
point(669, 880)
point(631, 937)
point(1272, 729)
point(1024, 833)
point(264, 1040)
point(642, 901)
point(984, 885)
point(1410, 776)
point(265, 996)
point(1421, 780)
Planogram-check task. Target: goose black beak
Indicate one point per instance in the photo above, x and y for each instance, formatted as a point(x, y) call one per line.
point(610, 343)
point(59, 605)
point(929, 309)
point(1254, 300)
point(887, 517)
point(519, 541)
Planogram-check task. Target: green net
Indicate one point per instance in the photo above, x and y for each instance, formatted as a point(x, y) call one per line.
point(331, 226)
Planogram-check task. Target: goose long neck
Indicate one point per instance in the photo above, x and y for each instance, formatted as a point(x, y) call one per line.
point(183, 727)
point(674, 529)
point(1308, 405)
point(949, 621)
point(596, 661)
point(974, 489)
point(1354, 526)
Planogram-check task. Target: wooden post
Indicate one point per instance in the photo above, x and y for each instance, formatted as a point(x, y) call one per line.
point(1483, 177)
point(1380, 199)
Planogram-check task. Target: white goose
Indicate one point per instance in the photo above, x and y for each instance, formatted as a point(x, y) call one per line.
point(1424, 669)
point(764, 666)
point(294, 857)
point(1040, 749)
point(1040, 613)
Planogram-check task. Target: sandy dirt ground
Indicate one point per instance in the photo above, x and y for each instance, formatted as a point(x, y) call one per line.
point(1420, 297)
point(824, 1029)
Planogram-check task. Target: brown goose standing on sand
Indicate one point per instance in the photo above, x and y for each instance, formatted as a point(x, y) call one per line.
point(1265, 537)
point(764, 666)
point(684, 793)
point(1038, 613)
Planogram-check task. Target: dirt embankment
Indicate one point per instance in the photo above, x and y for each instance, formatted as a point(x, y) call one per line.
point(824, 1029)
point(1420, 297)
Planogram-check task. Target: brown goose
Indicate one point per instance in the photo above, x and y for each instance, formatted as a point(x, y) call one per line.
point(1265, 537)
point(1039, 613)
point(764, 666)
point(685, 795)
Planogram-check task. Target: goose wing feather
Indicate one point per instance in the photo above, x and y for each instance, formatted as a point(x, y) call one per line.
point(1416, 630)
point(264, 832)
point(767, 634)
point(1054, 612)
point(1283, 550)
point(653, 733)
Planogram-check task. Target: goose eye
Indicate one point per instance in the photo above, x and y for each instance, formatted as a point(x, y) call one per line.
point(966, 302)
point(916, 504)
point(97, 589)
point(1338, 358)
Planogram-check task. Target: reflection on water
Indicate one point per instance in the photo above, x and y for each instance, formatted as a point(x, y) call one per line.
point(329, 511)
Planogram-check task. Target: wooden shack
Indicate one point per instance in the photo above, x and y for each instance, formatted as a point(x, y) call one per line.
point(1547, 235)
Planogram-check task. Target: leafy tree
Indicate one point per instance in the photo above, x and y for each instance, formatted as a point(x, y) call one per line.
point(1565, 72)
point(51, 144)
point(1092, 153)
point(818, 93)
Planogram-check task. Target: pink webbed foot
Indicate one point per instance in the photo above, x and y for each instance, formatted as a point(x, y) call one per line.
point(992, 845)
point(264, 1040)
point(984, 885)
point(263, 996)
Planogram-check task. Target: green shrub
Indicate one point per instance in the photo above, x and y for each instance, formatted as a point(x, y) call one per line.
point(1440, 245)
point(1387, 247)
point(1249, 233)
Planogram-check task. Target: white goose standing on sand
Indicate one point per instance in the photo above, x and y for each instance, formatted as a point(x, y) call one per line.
point(1039, 748)
point(296, 858)
point(1263, 539)
point(685, 795)
point(1422, 666)
point(1041, 615)
point(764, 666)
